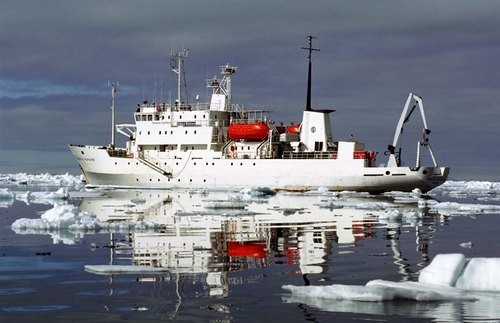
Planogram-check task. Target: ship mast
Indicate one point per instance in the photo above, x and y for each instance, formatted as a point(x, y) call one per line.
point(114, 88)
point(310, 49)
point(178, 59)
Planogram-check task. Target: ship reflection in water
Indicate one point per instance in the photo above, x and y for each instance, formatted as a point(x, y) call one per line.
point(205, 234)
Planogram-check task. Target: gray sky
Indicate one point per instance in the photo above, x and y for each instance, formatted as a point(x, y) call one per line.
point(56, 58)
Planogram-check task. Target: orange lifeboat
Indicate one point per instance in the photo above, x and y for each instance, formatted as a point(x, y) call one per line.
point(294, 128)
point(254, 131)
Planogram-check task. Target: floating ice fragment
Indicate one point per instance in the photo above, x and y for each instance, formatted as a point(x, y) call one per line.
point(63, 219)
point(466, 244)
point(122, 269)
point(449, 277)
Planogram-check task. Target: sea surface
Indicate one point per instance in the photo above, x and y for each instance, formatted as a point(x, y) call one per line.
point(73, 254)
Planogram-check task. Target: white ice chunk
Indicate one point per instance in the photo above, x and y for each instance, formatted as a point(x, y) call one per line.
point(341, 292)
point(70, 218)
point(443, 270)
point(480, 274)
point(420, 292)
point(380, 290)
point(122, 269)
point(6, 194)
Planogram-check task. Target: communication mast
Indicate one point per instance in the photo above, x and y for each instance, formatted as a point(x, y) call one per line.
point(114, 88)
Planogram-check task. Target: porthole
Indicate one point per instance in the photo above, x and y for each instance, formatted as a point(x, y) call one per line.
point(116, 163)
point(231, 163)
point(388, 173)
point(424, 171)
point(82, 152)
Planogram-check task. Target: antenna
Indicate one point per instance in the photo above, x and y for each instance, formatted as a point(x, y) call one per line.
point(176, 64)
point(310, 49)
point(114, 88)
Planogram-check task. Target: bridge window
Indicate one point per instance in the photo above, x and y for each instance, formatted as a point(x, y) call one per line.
point(150, 117)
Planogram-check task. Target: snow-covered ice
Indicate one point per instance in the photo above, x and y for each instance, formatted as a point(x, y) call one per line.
point(68, 219)
point(62, 180)
point(123, 269)
point(448, 277)
point(443, 270)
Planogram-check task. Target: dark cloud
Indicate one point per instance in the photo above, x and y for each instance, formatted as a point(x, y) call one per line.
point(56, 58)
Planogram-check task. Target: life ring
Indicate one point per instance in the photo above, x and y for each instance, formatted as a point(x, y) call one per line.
point(131, 155)
point(371, 154)
point(235, 155)
point(158, 108)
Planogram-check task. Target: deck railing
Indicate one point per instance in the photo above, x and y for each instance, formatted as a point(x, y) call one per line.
point(310, 155)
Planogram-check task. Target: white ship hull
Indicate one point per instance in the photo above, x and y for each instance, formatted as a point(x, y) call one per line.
point(188, 171)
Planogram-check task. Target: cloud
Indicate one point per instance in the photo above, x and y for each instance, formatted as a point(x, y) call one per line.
point(60, 54)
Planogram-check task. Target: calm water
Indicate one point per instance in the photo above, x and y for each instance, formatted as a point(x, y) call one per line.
point(227, 261)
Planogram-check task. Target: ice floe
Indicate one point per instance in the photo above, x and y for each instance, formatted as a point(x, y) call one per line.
point(123, 269)
point(67, 222)
point(454, 208)
point(448, 277)
point(62, 180)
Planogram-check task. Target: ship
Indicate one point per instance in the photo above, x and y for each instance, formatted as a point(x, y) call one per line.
point(223, 145)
